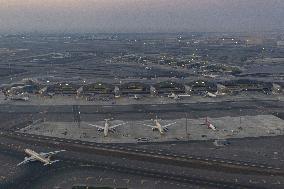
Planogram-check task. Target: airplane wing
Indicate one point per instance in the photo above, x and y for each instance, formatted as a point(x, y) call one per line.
point(51, 153)
point(100, 127)
point(27, 160)
point(169, 124)
point(51, 162)
point(114, 126)
point(149, 126)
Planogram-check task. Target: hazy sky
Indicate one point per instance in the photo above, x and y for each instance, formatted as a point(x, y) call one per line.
point(140, 15)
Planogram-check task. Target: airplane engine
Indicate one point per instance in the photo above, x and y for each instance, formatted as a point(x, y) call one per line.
point(166, 129)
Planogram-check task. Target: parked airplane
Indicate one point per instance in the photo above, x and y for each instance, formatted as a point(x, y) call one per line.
point(19, 98)
point(178, 96)
point(210, 75)
point(158, 127)
point(211, 95)
point(209, 125)
point(136, 97)
point(173, 96)
point(106, 128)
point(42, 157)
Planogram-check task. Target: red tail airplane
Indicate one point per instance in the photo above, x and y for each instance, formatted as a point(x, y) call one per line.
point(209, 125)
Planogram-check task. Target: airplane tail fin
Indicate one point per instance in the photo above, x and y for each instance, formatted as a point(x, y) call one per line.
point(206, 120)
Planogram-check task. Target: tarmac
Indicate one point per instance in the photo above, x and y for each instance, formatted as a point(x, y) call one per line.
point(183, 130)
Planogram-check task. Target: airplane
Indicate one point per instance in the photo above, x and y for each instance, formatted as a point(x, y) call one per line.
point(209, 125)
point(211, 95)
point(173, 96)
point(148, 68)
point(42, 157)
point(179, 96)
point(136, 97)
point(19, 98)
point(106, 127)
point(210, 75)
point(159, 127)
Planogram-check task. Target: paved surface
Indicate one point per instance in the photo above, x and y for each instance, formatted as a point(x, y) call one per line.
point(245, 163)
point(183, 129)
point(85, 163)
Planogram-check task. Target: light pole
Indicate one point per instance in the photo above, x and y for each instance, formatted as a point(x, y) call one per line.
point(186, 129)
point(79, 119)
point(240, 116)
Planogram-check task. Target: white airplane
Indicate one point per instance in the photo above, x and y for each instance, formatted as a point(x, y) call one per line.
point(173, 96)
point(136, 97)
point(210, 75)
point(158, 127)
point(209, 125)
point(211, 95)
point(42, 157)
point(19, 98)
point(179, 96)
point(107, 128)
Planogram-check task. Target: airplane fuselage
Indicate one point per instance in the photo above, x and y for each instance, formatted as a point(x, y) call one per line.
point(211, 126)
point(159, 127)
point(211, 95)
point(106, 128)
point(37, 156)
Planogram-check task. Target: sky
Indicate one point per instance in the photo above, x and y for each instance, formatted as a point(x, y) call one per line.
point(141, 15)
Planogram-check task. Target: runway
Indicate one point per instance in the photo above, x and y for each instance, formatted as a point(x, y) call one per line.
point(159, 156)
point(71, 162)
